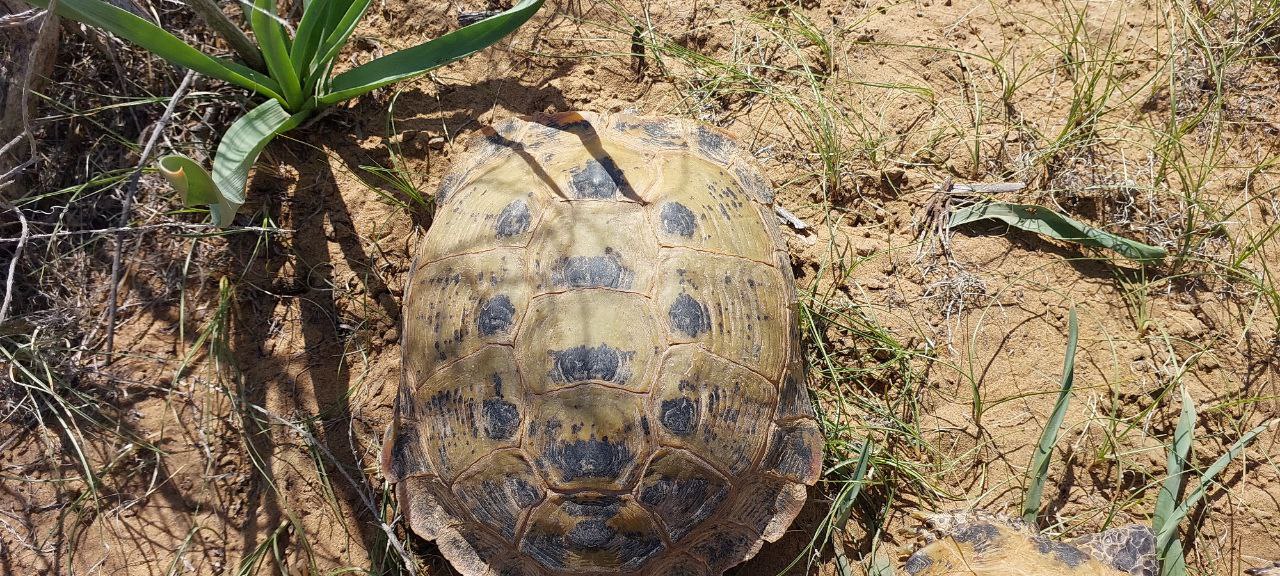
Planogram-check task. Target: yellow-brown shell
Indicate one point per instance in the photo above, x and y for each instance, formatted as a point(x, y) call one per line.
point(601, 364)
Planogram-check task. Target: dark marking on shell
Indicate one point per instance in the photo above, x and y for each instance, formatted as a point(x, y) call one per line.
point(406, 453)
point(677, 219)
point(794, 401)
point(591, 458)
point(570, 123)
point(979, 534)
point(689, 316)
point(1068, 554)
point(723, 548)
point(604, 271)
point(591, 534)
point(682, 504)
point(502, 419)
point(496, 316)
point(584, 364)
point(714, 144)
point(513, 220)
point(596, 180)
point(755, 184)
point(917, 563)
point(791, 454)
point(679, 415)
point(496, 502)
point(448, 185)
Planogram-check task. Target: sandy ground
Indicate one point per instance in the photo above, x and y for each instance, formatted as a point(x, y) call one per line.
point(248, 421)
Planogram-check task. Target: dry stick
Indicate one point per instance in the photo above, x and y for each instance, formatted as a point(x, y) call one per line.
point(47, 26)
point(13, 266)
point(148, 227)
point(130, 190)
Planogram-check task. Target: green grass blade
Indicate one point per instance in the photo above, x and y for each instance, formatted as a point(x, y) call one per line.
point(161, 43)
point(1044, 221)
point(423, 57)
point(842, 508)
point(275, 50)
point(1039, 470)
point(1168, 547)
point(237, 152)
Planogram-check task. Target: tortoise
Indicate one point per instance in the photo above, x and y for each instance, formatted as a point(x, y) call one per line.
point(976, 543)
point(601, 368)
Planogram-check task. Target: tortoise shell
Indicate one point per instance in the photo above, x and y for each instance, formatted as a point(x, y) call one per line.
point(982, 544)
point(601, 362)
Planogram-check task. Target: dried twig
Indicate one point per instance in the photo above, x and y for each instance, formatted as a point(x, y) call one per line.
point(20, 18)
point(131, 190)
point(48, 26)
point(13, 265)
point(149, 227)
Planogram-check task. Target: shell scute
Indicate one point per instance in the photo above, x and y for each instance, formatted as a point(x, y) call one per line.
point(724, 408)
point(590, 534)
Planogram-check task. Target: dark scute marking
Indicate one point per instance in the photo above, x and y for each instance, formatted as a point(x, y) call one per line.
point(591, 458)
point(577, 125)
point(546, 550)
point(593, 533)
point(584, 363)
point(448, 185)
point(677, 219)
point(605, 271)
point(756, 185)
point(597, 179)
point(979, 534)
point(683, 504)
point(722, 549)
point(495, 503)
point(526, 494)
point(689, 316)
point(917, 563)
point(513, 220)
point(502, 419)
point(406, 458)
point(795, 401)
point(496, 315)
point(1066, 553)
point(714, 144)
point(679, 415)
point(1137, 549)
point(791, 455)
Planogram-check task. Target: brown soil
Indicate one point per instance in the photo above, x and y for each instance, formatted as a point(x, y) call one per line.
point(267, 441)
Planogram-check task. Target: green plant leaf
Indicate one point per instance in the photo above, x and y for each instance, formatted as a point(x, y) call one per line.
point(161, 43)
point(342, 23)
point(1168, 547)
point(1039, 470)
point(316, 24)
point(1167, 539)
point(1044, 221)
point(411, 62)
point(223, 192)
point(275, 50)
point(191, 180)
